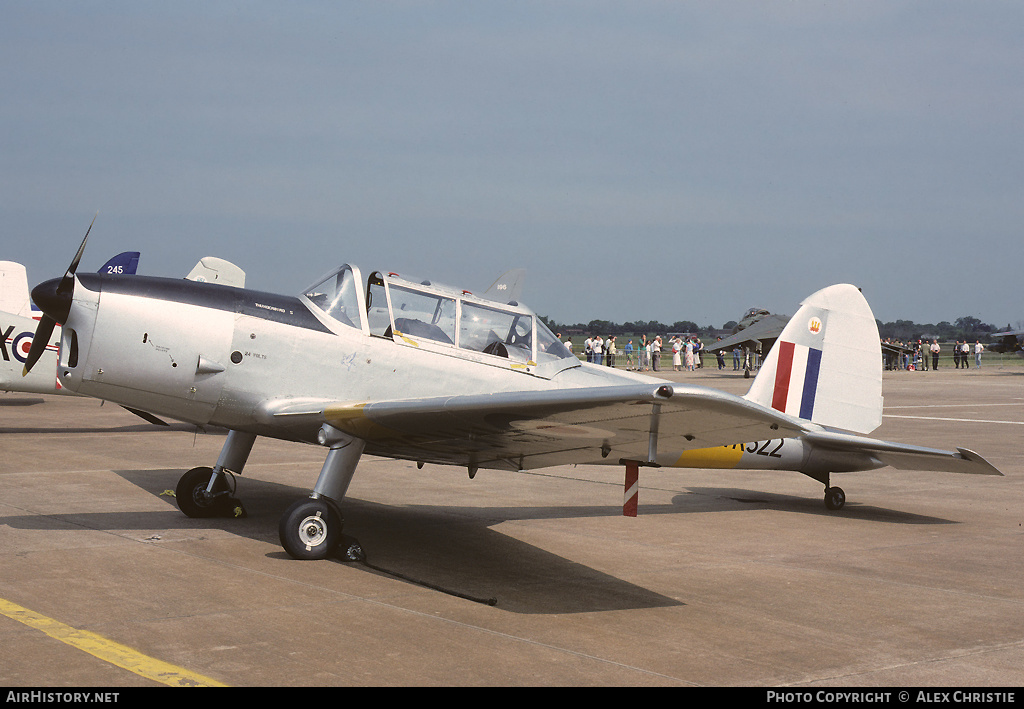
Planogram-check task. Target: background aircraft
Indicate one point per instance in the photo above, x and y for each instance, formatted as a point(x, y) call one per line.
point(1009, 343)
point(508, 288)
point(755, 334)
point(432, 374)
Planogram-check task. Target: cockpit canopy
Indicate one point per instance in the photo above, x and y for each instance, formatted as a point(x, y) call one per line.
point(439, 318)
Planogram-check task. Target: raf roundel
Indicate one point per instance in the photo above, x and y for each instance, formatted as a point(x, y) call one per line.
point(22, 344)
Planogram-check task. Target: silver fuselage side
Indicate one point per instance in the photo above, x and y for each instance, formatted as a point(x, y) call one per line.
point(211, 354)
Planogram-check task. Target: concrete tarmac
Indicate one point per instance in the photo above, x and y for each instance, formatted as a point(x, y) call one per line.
point(726, 578)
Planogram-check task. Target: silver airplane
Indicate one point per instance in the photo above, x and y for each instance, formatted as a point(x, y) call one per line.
point(418, 371)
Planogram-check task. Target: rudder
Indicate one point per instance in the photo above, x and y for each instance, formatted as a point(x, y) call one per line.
point(826, 366)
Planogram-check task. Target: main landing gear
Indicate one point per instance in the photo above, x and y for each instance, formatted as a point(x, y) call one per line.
point(310, 528)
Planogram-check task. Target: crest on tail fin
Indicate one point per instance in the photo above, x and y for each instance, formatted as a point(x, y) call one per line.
point(826, 366)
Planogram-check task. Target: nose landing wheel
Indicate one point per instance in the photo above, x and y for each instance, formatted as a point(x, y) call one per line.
point(197, 500)
point(835, 498)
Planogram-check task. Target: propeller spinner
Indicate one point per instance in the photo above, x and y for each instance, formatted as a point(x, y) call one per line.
point(54, 298)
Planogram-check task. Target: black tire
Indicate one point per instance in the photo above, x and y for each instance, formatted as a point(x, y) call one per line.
point(835, 498)
point(310, 529)
point(191, 494)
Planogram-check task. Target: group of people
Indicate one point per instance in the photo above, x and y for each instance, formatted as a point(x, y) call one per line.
point(597, 350)
point(686, 352)
point(919, 355)
point(645, 355)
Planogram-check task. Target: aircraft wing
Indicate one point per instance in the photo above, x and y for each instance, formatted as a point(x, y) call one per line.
point(523, 430)
point(767, 328)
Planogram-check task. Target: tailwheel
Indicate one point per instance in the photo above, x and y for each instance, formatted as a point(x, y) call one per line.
point(835, 498)
point(310, 529)
point(194, 499)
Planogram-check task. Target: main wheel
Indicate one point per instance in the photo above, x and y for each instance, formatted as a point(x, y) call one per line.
point(835, 498)
point(310, 529)
point(192, 497)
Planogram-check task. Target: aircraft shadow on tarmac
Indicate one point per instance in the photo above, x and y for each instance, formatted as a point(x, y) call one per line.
point(20, 401)
point(722, 499)
point(449, 549)
point(453, 549)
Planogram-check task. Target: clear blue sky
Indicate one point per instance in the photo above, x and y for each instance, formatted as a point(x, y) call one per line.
point(642, 160)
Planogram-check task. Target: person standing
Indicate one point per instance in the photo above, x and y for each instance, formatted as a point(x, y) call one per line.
point(965, 355)
point(978, 349)
point(656, 353)
point(935, 354)
point(676, 360)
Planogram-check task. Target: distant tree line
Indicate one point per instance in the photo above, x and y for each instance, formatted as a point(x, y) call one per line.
point(639, 327)
point(967, 327)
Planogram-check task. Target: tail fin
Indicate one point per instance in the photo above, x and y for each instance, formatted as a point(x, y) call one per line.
point(508, 287)
point(14, 296)
point(211, 269)
point(124, 264)
point(826, 366)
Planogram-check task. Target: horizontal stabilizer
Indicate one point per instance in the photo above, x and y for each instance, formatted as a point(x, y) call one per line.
point(903, 456)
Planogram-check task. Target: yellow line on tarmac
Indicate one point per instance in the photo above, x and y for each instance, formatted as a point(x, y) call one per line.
point(107, 650)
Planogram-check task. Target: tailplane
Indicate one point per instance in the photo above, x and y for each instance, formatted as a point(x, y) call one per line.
point(826, 366)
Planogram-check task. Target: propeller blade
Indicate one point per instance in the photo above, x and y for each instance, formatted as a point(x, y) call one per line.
point(55, 300)
point(39, 342)
point(81, 249)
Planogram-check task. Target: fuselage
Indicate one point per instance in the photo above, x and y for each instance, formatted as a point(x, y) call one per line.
point(210, 354)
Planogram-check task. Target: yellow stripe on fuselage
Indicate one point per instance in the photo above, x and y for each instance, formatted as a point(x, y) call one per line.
point(718, 457)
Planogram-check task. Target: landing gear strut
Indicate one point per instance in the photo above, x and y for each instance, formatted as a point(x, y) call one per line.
point(312, 528)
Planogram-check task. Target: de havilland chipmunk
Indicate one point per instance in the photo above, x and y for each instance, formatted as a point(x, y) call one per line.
point(413, 370)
